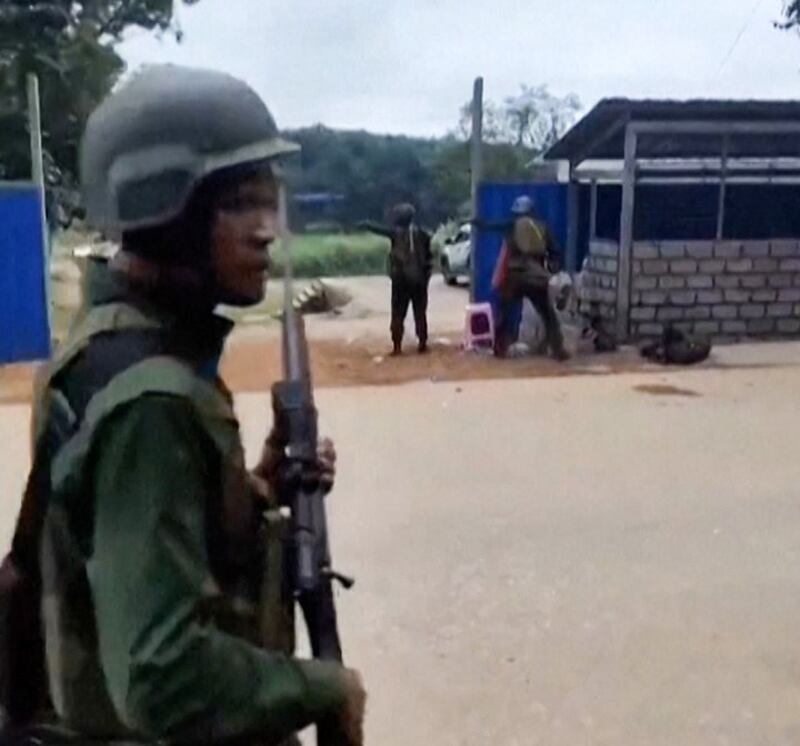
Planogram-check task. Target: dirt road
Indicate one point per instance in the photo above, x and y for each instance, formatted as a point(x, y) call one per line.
point(606, 559)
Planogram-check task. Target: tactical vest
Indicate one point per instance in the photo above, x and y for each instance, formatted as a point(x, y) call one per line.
point(57, 503)
point(527, 255)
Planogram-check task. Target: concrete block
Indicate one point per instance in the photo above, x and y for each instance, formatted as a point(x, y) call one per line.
point(776, 310)
point(728, 249)
point(707, 328)
point(784, 247)
point(606, 249)
point(725, 312)
point(754, 281)
point(766, 295)
point(755, 249)
point(712, 266)
point(654, 298)
point(651, 330)
point(710, 296)
point(780, 281)
point(790, 265)
point(643, 313)
point(789, 326)
point(737, 296)
point(668, 313)
point(700, 281)
point(718, 340)
point(789, 295)
point(765, 265)
point(654, 267)
point(760, 326)
point(683, 266)
point(645, 250)
point(682, 297)
point(700, 249)
point(698, 312)
point(671, 282)
point(752, 311)
point(726, 281)
point(738, 266)
point(636, 268)
point(645, 283)
point(734, 327)
point(672, 249)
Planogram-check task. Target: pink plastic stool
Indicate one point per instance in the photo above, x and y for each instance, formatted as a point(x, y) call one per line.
point(479, 326)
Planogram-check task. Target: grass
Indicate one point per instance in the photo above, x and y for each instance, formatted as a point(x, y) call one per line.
point(314, 255)
point(336, 255)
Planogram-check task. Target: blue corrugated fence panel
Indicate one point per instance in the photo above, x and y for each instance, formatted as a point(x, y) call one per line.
point(494, 204)
point(24, 326)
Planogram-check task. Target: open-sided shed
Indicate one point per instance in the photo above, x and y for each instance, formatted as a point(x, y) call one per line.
point(693, 217)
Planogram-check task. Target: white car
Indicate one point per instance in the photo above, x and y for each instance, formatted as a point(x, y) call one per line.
point(455, 257)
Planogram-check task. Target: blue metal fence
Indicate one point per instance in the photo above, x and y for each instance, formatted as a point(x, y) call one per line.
point(24, 323)
point(494, 205)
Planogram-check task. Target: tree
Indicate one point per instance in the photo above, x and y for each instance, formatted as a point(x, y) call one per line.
point(791, 14)
point(533, 119)
point(537, 118)
point(70, 45)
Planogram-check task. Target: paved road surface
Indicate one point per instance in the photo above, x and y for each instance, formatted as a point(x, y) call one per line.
point(565, 561)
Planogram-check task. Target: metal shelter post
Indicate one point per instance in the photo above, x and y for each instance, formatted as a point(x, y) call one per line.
point(572, 223)
point(626, 235)
point(723, 172)
point(593, 210)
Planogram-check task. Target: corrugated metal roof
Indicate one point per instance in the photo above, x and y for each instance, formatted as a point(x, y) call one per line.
point(601, 133)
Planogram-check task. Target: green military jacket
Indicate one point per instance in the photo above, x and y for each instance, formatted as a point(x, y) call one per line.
point(149, 556)
point(410, 258)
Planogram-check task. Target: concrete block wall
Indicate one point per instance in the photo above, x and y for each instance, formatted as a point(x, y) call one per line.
point(726, 290)
point(599, 281)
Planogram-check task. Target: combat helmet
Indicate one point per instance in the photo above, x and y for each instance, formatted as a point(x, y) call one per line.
point(522, 205)
point(403, 213)
point(149, 144)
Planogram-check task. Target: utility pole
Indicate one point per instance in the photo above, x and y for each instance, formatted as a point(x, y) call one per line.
point(476, 172)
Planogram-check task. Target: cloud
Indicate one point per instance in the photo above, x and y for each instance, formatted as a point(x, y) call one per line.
point(406, 67)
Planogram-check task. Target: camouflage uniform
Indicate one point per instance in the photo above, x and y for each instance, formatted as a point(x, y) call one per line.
point(532, 250)
point(147, 520)
point(410, 267)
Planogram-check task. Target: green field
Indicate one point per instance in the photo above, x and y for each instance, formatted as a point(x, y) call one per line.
point(336, 255)
point(315, 254)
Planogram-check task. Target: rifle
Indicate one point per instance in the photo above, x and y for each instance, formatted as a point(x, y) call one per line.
point(298, 561)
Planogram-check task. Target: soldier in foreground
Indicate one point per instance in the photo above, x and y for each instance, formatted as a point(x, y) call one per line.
point(410, 267)
point(150, 553)
point(526, 262)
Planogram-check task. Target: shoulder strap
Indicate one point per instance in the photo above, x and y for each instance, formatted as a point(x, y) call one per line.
point(154, 375)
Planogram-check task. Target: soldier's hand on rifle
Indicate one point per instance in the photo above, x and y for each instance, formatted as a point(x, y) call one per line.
point(326, 453)
point(272, 456)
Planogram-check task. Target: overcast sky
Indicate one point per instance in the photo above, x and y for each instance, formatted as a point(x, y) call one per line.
point(407, 66)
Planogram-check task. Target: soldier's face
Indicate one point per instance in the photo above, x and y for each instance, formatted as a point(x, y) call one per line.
point(244, 226)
